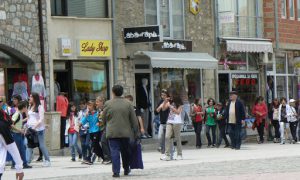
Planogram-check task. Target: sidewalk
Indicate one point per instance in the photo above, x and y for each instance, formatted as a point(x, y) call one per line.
point(63, 168)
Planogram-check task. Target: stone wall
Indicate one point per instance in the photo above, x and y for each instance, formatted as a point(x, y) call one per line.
point(19, 33)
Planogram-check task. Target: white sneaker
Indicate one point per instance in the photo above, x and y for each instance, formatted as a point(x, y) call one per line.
point(46, 163)
point(179, 157)
point(165, 158)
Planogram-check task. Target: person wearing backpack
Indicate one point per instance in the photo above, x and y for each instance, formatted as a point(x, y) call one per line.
point(196, 114)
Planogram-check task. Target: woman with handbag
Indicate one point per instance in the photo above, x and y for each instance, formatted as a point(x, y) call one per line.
point(210, 119)
point(274, 112)
point(284, 108)
point(260, 112)
point(196, 114)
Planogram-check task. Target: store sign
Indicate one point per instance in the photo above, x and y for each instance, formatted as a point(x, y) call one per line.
point(195, 6)
point(226, 17)
point(244, 79)
point(95, 48)
point(65, 47)
point(173, 46)
point(143, 34)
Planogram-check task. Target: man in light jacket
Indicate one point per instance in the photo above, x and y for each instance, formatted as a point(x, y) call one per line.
point(121, 124)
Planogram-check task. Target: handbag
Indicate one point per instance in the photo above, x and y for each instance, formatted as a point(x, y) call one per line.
point(136, 160)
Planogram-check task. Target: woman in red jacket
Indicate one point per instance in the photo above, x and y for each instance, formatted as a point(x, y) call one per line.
point(196, 115)
point(260, 111)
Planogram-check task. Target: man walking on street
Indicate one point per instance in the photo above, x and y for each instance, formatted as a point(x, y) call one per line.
point(121, 124)
point(235, 115)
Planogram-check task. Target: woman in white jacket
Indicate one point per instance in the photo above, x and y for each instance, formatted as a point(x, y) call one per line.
point(285, 117)
point(293, 120)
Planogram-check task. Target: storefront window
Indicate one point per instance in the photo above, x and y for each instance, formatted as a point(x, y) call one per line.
point(233, 61)
point(182, 82)
point(281, 86)
point(253, 59)
point(89, 80)
point(280, 65)
point(291, 65)
point(292, 88)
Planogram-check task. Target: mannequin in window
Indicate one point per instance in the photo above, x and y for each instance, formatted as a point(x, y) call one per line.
point(144, 104)
point(38, 86)
point(20, 88)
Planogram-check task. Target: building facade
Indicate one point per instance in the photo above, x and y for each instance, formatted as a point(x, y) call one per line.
point(23, 48)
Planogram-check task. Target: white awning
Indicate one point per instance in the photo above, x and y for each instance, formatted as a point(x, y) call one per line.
point(187, 60)
point(249, 46)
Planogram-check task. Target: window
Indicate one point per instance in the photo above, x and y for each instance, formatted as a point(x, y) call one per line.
point(292, 9)
point(167, 13)
point(298, 9)
point(79, 8)
point(283, 8)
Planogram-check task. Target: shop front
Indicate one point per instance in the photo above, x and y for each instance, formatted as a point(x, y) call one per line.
point(181, 73)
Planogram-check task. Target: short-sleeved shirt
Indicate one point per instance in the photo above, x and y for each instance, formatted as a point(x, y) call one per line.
point(17, 120)
point(210, 116)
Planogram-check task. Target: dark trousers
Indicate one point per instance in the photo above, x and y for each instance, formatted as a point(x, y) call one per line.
point(117, 146)
point(276, 126)
point(235, 135)
point(86, 146)
point(105, 147)
point(260, 130)
point(213, 132)
point(96, 148)
point(293, 128)
point(222, 134)
point(198, 128)
point(19, 140)
point(62, 132)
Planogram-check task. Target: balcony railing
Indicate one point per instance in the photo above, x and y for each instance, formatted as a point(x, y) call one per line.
point(242, 27)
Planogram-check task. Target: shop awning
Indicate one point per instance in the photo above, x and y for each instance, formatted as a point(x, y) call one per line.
point(187, 60)
point(249, 46)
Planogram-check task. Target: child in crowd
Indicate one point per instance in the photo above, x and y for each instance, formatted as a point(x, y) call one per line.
point(72, 129)
point(84, 134)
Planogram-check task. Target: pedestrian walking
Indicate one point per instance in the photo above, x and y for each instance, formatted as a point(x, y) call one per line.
point(121, 124)
point(72, 129)
point(197, 118)
point(274, 116)
point(91, 117)
point(222, 125)
point(260, 111)
point(210, 122)
point(173, 129)
point(36, 123)
point(293, 120)
point(284, 108)
point(235, 115)
point(7, 144)
point(163, 117)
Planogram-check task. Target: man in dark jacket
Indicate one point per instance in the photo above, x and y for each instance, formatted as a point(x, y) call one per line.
point(121, 124)
point(235, 115)
point(222, 125)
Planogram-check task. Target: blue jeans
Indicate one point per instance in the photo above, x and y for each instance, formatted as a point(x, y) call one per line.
point(117, 146)
point(235, 135)
point(213, 132)
point(86, 147)
point(73, 144)
point(19, 140)
point(41, 138)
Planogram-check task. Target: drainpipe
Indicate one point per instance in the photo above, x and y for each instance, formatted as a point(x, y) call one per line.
point(41, 31)
point(216, 34)
point(114, 43)
point(276, 26)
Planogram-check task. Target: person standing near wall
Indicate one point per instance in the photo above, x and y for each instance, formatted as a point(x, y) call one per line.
point(222, 125)
point(274, 116)
point(62, 104)
point(210, 119)
point(260, 112)
point(196, 114)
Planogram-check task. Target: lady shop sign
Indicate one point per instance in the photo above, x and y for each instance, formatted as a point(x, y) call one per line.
point(244, 79)
point(95, 48)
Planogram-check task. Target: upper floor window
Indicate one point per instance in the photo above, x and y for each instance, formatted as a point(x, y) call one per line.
point(292, 9)
point(240, 18)
point(167, 13)
point(79, 8)
point(298, 9)
point(283, 8)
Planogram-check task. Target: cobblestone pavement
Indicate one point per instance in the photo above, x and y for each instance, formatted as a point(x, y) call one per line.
point(267, 161)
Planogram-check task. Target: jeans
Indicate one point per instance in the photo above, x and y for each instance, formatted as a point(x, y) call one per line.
point(222, 134)
point(260, 130)
point(173, 130)
point(73, 145)
point(235, 135)
point(42, 146)
point(86, 146)
point(285, 131)
point(19, 140)
point(117, 146)
point(96, 148)
point(198, 129)
point(213, 131)
point(162, 137)
point(293, 127)
point(105, 147)
point(276, 126)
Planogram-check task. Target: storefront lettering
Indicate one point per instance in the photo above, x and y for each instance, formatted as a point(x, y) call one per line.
point(170, 45)
point(100, 47)
point(238, 76)
point(146, 34)
point(245, 82)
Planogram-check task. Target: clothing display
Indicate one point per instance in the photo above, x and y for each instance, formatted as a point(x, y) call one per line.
point(20, 88)
point(38, 86)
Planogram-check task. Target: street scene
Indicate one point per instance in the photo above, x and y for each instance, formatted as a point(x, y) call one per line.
point(149, 89)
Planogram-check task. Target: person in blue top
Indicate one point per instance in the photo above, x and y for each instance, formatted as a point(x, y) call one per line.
point(91, 117)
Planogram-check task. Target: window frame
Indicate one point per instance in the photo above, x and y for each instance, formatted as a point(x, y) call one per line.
point(292, 9)
point(170, 17)
point(298, 10)
point(283, 14)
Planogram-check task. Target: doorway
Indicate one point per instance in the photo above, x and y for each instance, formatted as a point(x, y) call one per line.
point(224, 87)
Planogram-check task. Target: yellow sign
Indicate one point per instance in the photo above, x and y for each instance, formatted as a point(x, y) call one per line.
point(95, 48)
point(195, 6)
